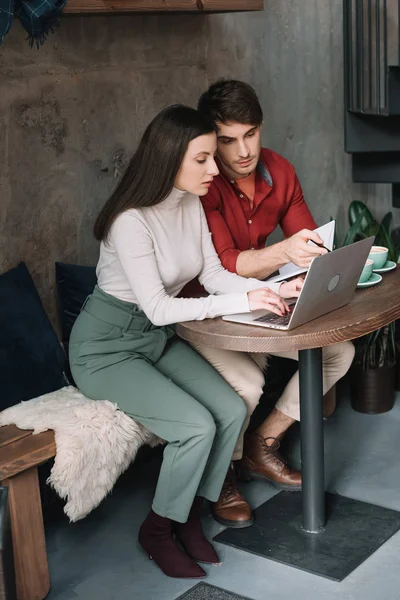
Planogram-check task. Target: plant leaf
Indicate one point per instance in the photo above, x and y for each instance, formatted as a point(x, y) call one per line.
point(357, 209)
point(387, 221)
point(372, 230)
point(384, 237)
point(378, 348)
point(355, 230)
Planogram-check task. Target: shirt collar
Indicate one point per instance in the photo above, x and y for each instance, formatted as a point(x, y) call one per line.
point(264, 173)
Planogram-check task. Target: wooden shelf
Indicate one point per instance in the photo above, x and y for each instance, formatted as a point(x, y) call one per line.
point(159, 6)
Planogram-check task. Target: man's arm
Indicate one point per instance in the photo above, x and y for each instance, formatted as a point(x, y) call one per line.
point(298, 215)
point(297, 225)
point(262, 263)
point(247, 263)
point(258, 263)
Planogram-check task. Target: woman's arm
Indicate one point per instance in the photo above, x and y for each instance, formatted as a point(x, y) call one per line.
point(134, 246)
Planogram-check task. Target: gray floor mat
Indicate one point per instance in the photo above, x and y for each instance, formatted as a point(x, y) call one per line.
point(204, 591)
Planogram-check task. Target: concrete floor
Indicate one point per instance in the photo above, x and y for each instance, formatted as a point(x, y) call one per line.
point(99, 558)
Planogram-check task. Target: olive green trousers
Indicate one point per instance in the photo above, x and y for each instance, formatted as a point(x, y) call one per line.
point(117, 354)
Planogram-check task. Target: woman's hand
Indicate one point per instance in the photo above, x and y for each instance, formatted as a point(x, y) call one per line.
point(266, 299)
point(291, 289)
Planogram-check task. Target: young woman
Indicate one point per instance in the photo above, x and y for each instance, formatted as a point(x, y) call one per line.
point(154, 239)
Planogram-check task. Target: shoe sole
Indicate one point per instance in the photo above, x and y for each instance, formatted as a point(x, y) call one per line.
point(249, 475)
point(233, 524)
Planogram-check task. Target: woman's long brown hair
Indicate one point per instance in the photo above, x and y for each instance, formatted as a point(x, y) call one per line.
point(151, 173)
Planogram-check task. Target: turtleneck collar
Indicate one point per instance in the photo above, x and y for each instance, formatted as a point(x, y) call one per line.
point(173, 199)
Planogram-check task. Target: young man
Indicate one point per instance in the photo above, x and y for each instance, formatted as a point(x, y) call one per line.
point(255, 191)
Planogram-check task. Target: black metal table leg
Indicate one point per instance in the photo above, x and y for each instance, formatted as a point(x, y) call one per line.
point(312, 439)
point(291, 527)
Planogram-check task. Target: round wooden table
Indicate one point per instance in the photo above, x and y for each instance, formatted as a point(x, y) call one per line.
point(370, 309)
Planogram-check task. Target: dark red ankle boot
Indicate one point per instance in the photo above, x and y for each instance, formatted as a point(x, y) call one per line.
point(155, 536)
point(192, 538)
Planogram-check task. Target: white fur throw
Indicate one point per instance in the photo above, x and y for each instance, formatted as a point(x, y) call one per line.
point(95, 443)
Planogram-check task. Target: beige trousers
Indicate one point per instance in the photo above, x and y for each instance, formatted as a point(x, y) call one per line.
point(245, 373)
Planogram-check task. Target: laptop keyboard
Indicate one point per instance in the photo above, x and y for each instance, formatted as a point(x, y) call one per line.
point(275, 319)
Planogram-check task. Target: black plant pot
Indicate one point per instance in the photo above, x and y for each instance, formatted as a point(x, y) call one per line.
point(397, 338)
point(372, 390)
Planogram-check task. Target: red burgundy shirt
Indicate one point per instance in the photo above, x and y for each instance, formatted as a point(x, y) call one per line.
point(278, 200)
point(235, 227)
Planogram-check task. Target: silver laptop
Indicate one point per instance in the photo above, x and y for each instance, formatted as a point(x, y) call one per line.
point(329, 284)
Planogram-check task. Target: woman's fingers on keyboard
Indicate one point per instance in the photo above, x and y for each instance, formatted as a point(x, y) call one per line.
point(266, 299)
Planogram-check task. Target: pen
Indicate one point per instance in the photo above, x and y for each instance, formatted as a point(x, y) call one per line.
point(321, 246)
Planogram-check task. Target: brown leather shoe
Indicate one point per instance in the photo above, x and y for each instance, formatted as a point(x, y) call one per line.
point(261, 460)
point(231, 509)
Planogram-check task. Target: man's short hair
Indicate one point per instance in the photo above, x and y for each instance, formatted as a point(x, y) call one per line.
point(229, 100)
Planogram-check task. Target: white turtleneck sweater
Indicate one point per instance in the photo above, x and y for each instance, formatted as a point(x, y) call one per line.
point(152, 253)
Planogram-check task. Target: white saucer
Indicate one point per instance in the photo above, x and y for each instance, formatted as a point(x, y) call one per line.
point(388, 266)
point(373, 280)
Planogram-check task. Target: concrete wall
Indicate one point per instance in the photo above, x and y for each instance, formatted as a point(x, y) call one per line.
point(70, 116)
point(72, 112)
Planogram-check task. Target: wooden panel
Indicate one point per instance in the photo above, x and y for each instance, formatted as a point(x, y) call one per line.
point(30, 557)
point(7, 572)
point(26, 452)
point(11, 433)
point(146, 6)
point(370, 309)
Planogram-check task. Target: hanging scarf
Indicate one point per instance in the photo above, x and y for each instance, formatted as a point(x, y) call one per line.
point(38, 17)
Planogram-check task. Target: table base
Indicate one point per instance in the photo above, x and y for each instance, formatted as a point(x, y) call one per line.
point(354, 530)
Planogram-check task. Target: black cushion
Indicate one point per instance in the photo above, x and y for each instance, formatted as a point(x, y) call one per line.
point(32, 361)
point(74, 284)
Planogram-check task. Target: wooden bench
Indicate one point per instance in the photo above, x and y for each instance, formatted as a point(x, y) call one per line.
point(20, 455)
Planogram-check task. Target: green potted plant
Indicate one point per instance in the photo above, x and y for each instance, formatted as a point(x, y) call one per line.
point(373, 372)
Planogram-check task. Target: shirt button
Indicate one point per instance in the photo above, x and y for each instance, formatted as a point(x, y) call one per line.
point(240, 195)
point(250, 221)
point(232, 181)
point(252, 248)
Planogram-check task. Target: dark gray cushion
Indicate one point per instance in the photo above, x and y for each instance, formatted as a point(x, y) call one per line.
point(32, 361)
point(74, 284)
